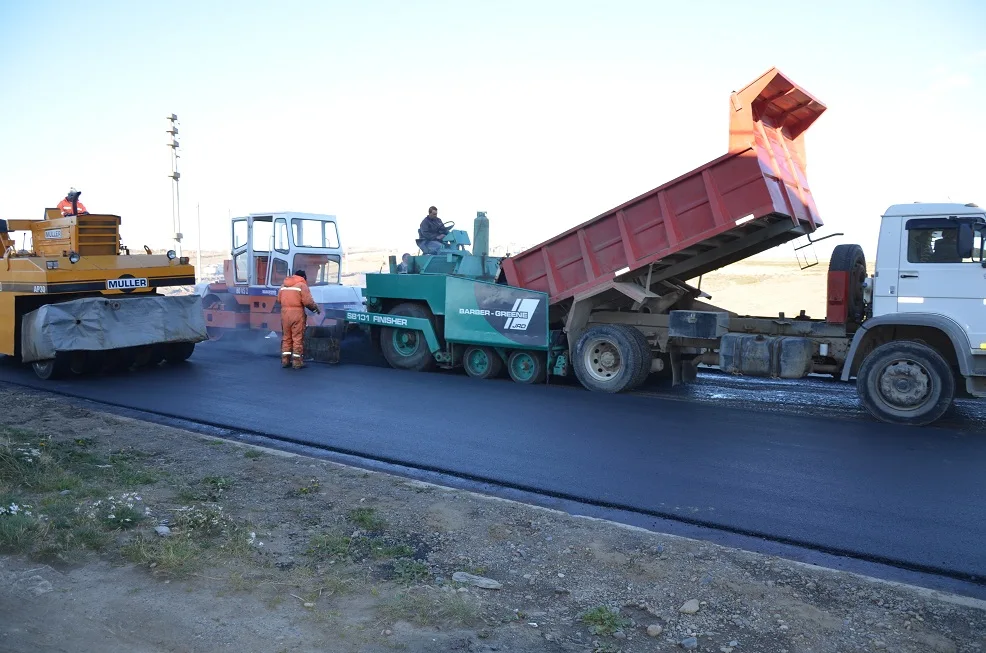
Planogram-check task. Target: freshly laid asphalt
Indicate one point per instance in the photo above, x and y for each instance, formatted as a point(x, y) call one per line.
point(828, 478)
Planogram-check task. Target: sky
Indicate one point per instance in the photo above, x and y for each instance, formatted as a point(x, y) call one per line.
point(544, 114)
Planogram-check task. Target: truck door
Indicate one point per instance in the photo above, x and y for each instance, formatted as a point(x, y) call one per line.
point(935, 278)
point(279, 257)
point(240, 253)
point(261, 238)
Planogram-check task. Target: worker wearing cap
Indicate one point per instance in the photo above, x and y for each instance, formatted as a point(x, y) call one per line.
point(294, 297)
point(71, 204)
point(431, 232)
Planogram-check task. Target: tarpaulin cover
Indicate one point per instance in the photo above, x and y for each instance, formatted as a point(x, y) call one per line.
point(101, 323)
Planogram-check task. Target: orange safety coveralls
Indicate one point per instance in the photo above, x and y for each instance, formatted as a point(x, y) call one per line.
point(294, 297)
point(66, 207)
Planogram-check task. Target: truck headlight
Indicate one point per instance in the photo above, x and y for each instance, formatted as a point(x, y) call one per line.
point(73, 257)
point(171, 255)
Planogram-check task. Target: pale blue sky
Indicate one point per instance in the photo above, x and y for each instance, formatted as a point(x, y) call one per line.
point(542, 113)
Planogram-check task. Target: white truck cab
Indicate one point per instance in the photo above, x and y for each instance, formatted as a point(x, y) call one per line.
point(927, 303)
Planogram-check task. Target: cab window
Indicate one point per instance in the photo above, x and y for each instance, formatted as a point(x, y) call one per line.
point(940, 245)
point(281, 243)
point(279, 272)
point(239, 233)
point(315, 233)
point(240, 267)
point(322, 269)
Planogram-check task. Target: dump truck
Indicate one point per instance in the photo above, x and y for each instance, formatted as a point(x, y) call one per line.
point(78, 301)
point(265, 249)
point(609, 302)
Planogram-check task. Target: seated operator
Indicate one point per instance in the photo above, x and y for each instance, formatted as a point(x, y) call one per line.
point(431, 232)
point(405, 264)
point(71, 204)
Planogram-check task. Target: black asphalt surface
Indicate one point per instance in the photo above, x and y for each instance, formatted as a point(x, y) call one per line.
point(808, 468)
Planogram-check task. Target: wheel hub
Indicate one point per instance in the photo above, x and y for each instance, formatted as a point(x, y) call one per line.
point(523, 365)
point(478, 361)
point(405, 342)
point(905, 384)
point(602, 360)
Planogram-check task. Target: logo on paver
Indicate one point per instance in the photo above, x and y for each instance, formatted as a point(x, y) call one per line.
point(518, 318)
point(126, 283)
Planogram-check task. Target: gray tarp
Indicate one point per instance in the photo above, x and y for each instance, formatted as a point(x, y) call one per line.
point(101, 323)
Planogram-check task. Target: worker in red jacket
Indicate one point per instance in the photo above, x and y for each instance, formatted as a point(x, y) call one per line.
point(294, 297)
point(71, 205)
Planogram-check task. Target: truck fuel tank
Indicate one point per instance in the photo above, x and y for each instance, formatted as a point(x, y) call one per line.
point(786, 357)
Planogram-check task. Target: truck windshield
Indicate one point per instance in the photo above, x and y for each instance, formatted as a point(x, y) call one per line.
point(314, 233)
point(322, 269)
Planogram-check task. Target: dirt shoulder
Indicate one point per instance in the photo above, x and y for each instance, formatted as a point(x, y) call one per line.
point(119, 535)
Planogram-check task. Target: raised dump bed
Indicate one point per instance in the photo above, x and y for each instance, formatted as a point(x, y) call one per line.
point(745, 202)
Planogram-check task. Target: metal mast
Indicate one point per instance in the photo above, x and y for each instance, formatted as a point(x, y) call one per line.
point(175, 176)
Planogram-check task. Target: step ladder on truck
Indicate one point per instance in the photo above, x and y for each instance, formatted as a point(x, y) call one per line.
point(608, 301)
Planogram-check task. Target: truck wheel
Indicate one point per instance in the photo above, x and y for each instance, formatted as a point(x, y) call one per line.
point(406, 349)
point(608, 358)
point(905, 383)
point(482, 362)
point(178, 352)
point(528, 367)
point(646, 356)
point(851, 259)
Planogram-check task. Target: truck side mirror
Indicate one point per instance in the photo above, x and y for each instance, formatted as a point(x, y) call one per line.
point(966, 240)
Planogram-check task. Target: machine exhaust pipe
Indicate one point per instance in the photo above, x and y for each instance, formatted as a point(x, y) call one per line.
point(481, 235)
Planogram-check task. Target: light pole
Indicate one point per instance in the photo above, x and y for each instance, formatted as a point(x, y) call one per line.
point(175, 176)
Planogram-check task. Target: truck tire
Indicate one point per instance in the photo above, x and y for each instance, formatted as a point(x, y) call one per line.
point(646, 356)
point(608, 358)
point(405, 349)
point(905, 383)
point(52, 369)
point(527, 367)
point(178, 352)
point(851, 259)
point(482, 362)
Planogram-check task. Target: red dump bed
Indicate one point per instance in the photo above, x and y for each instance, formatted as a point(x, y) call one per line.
point(702, 220)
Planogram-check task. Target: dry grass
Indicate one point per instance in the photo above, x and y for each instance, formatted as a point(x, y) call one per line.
point(424, 606)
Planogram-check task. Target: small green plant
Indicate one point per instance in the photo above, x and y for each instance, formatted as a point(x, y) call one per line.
point(253, 454)
point(327, 546)
point(207, 520)
point(128, 475)
point(125, 511)
point(220, 483)
point(366, 519)
point(311, 488)
point(29, 465)
point(209, 489)
point(410, 571)
point(173, 556)
point(604, 621)
point(18, 531)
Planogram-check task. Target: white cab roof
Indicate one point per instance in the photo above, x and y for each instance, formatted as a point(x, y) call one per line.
point(921, 208)
point(293, 214)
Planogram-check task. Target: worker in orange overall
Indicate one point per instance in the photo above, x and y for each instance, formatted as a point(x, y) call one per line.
point(66, 205)
point(294, 297)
